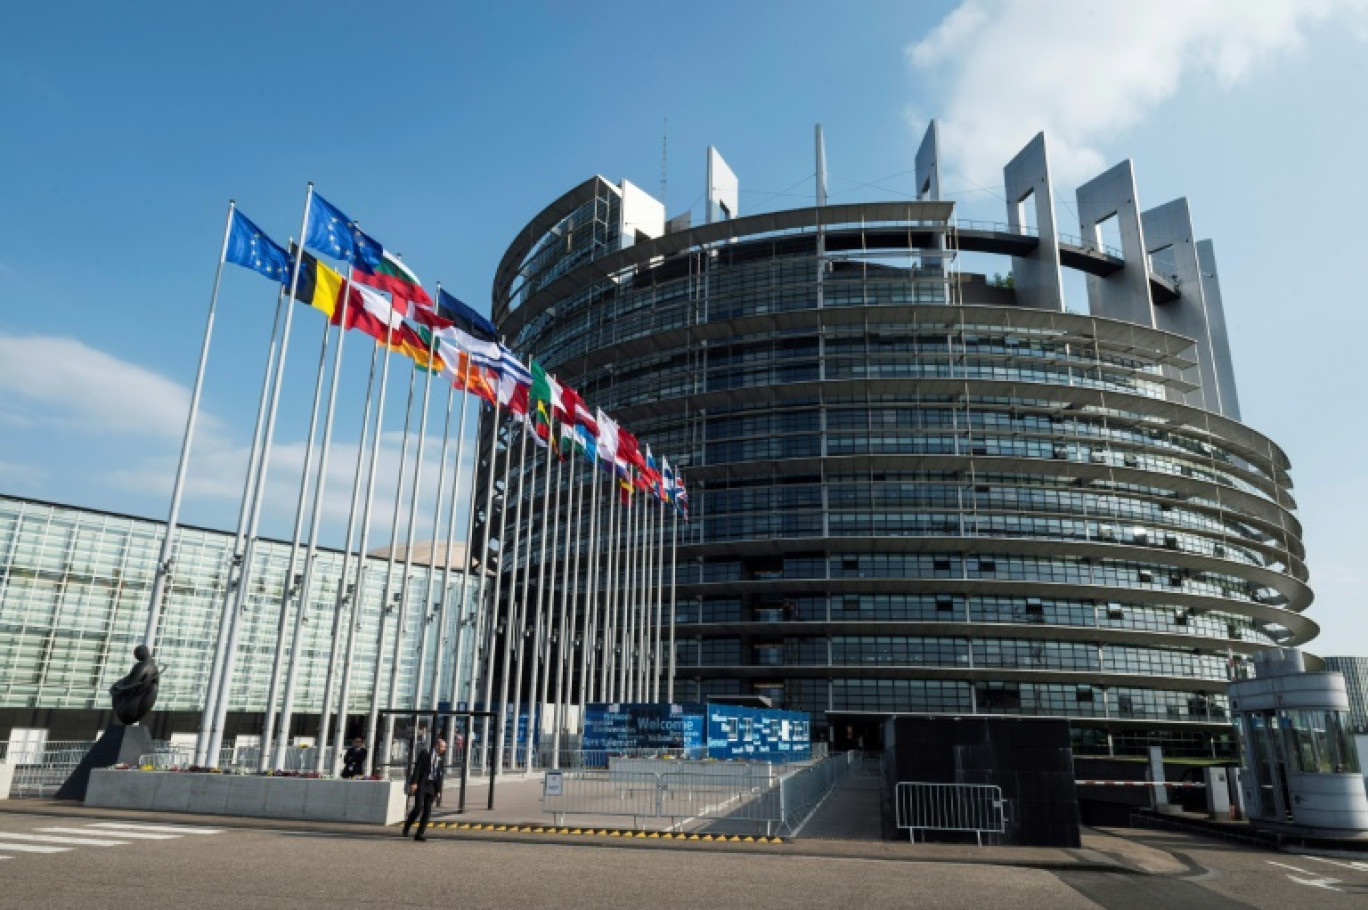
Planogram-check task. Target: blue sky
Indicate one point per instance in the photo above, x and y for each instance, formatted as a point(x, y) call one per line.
point(443, 127)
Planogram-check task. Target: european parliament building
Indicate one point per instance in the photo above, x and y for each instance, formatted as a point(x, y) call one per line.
point(74, 589)
point(916, 490)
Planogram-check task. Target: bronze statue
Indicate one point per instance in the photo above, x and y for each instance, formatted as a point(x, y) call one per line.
point(136, 693)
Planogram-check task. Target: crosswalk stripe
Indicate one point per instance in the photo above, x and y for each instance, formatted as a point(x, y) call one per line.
point(172, 829)
point(32, 848)
point(52, 839)
point(136, 835)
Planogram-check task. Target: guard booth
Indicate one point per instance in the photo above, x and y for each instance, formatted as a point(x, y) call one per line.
point(1299, 768)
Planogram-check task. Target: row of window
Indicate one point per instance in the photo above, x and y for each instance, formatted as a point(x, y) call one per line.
point(960, 697)
point(961, 653)
point(1113, 573)
point(976, 609)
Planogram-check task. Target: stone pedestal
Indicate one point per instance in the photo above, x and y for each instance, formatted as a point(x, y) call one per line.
point(119, 745)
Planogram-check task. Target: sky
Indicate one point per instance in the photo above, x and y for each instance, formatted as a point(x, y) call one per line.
point(443, 127)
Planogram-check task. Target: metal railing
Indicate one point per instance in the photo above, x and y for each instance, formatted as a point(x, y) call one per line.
point(802, 792)
point(721, 797)
point(40, 771)
point(996, 227)
point(979, 808)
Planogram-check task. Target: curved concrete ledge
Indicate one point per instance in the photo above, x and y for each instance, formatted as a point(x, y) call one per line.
point(374, 802)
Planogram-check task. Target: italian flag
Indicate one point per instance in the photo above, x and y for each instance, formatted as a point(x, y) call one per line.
point(393, 276)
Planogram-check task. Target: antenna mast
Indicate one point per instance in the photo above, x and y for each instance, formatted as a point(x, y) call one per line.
point(664, 157)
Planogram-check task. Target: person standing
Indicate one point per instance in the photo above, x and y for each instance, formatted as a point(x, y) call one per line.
point(425, 784)
point(354, 760)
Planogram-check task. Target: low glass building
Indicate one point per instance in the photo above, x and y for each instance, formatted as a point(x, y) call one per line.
point(74, 591)
point(920, 491)
point(1355, 673)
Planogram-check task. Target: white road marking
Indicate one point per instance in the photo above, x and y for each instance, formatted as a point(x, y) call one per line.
point(172, 829)
point(1356, 865)
point(1286, 866)
point(137, 835)
point(50, 839)
point(1314, 882)
point(32, 848)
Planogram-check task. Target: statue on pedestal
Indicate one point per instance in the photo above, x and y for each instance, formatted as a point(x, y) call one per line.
point(136, 693)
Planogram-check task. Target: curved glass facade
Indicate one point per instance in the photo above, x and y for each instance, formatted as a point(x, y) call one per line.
point(910, 494)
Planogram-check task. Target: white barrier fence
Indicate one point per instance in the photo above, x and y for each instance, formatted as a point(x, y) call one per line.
point(724, 797)
point(977, 808)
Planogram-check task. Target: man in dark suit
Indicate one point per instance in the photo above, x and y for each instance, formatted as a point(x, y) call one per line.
point(425, 784)
point(354, 761)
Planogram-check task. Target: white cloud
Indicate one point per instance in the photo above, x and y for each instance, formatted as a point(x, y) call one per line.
point(1004, 71)
point(61, 382)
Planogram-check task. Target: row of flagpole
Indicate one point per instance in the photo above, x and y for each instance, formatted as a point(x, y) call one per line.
point(610, 613)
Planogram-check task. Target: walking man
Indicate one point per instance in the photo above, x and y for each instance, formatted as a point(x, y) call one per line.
point(425, 784)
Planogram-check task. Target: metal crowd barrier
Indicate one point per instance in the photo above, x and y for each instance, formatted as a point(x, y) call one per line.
point(802, 792)
point(950, 807)
point(729, 797)
point(40, 772)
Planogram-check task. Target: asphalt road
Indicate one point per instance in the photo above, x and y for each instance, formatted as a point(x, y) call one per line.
point(93, 863)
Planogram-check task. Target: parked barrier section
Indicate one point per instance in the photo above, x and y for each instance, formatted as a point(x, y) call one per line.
point(977, 808)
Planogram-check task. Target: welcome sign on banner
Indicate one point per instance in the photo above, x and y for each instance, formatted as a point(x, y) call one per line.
point(701, 731)
point(622, 727)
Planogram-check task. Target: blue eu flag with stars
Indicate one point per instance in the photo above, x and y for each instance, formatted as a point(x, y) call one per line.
point(248, 246)
point(334, 234)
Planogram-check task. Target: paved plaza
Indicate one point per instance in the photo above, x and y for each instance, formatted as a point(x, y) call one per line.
point(60, 854)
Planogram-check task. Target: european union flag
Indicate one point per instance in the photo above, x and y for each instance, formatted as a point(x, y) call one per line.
point(334, 234)
point(248, 246)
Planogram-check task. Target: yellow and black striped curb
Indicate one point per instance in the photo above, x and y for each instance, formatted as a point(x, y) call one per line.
point(612, 832)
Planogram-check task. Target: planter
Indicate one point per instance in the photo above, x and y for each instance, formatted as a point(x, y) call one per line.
point(375, 802)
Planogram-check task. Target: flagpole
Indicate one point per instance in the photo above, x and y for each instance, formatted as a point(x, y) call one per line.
point(453, 605)
point(629, 616)
point(345, 594)
point(484, 613)
point(609, 664)
point(358, 599)
point(647, 599)
point(514, 643)
point(660, 602)
point(585, 611)
point(293, 580)
point(590, 624)
point(425, 623)
point(509, 560)
point(258, 495)
point(618, 615)
point(629, 669)
point(541, 636)
point(226, 613)
point(373, 739)
point(315, 523)
point(164, 560)
point(643, 539)
point(653, 678)
point(674, 583)
point(445, 603)
point(570, 601)
point(462, 598)
point(608, 672)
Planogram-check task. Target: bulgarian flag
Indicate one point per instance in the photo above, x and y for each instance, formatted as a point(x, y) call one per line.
point(389, 274)
point(418, 344)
